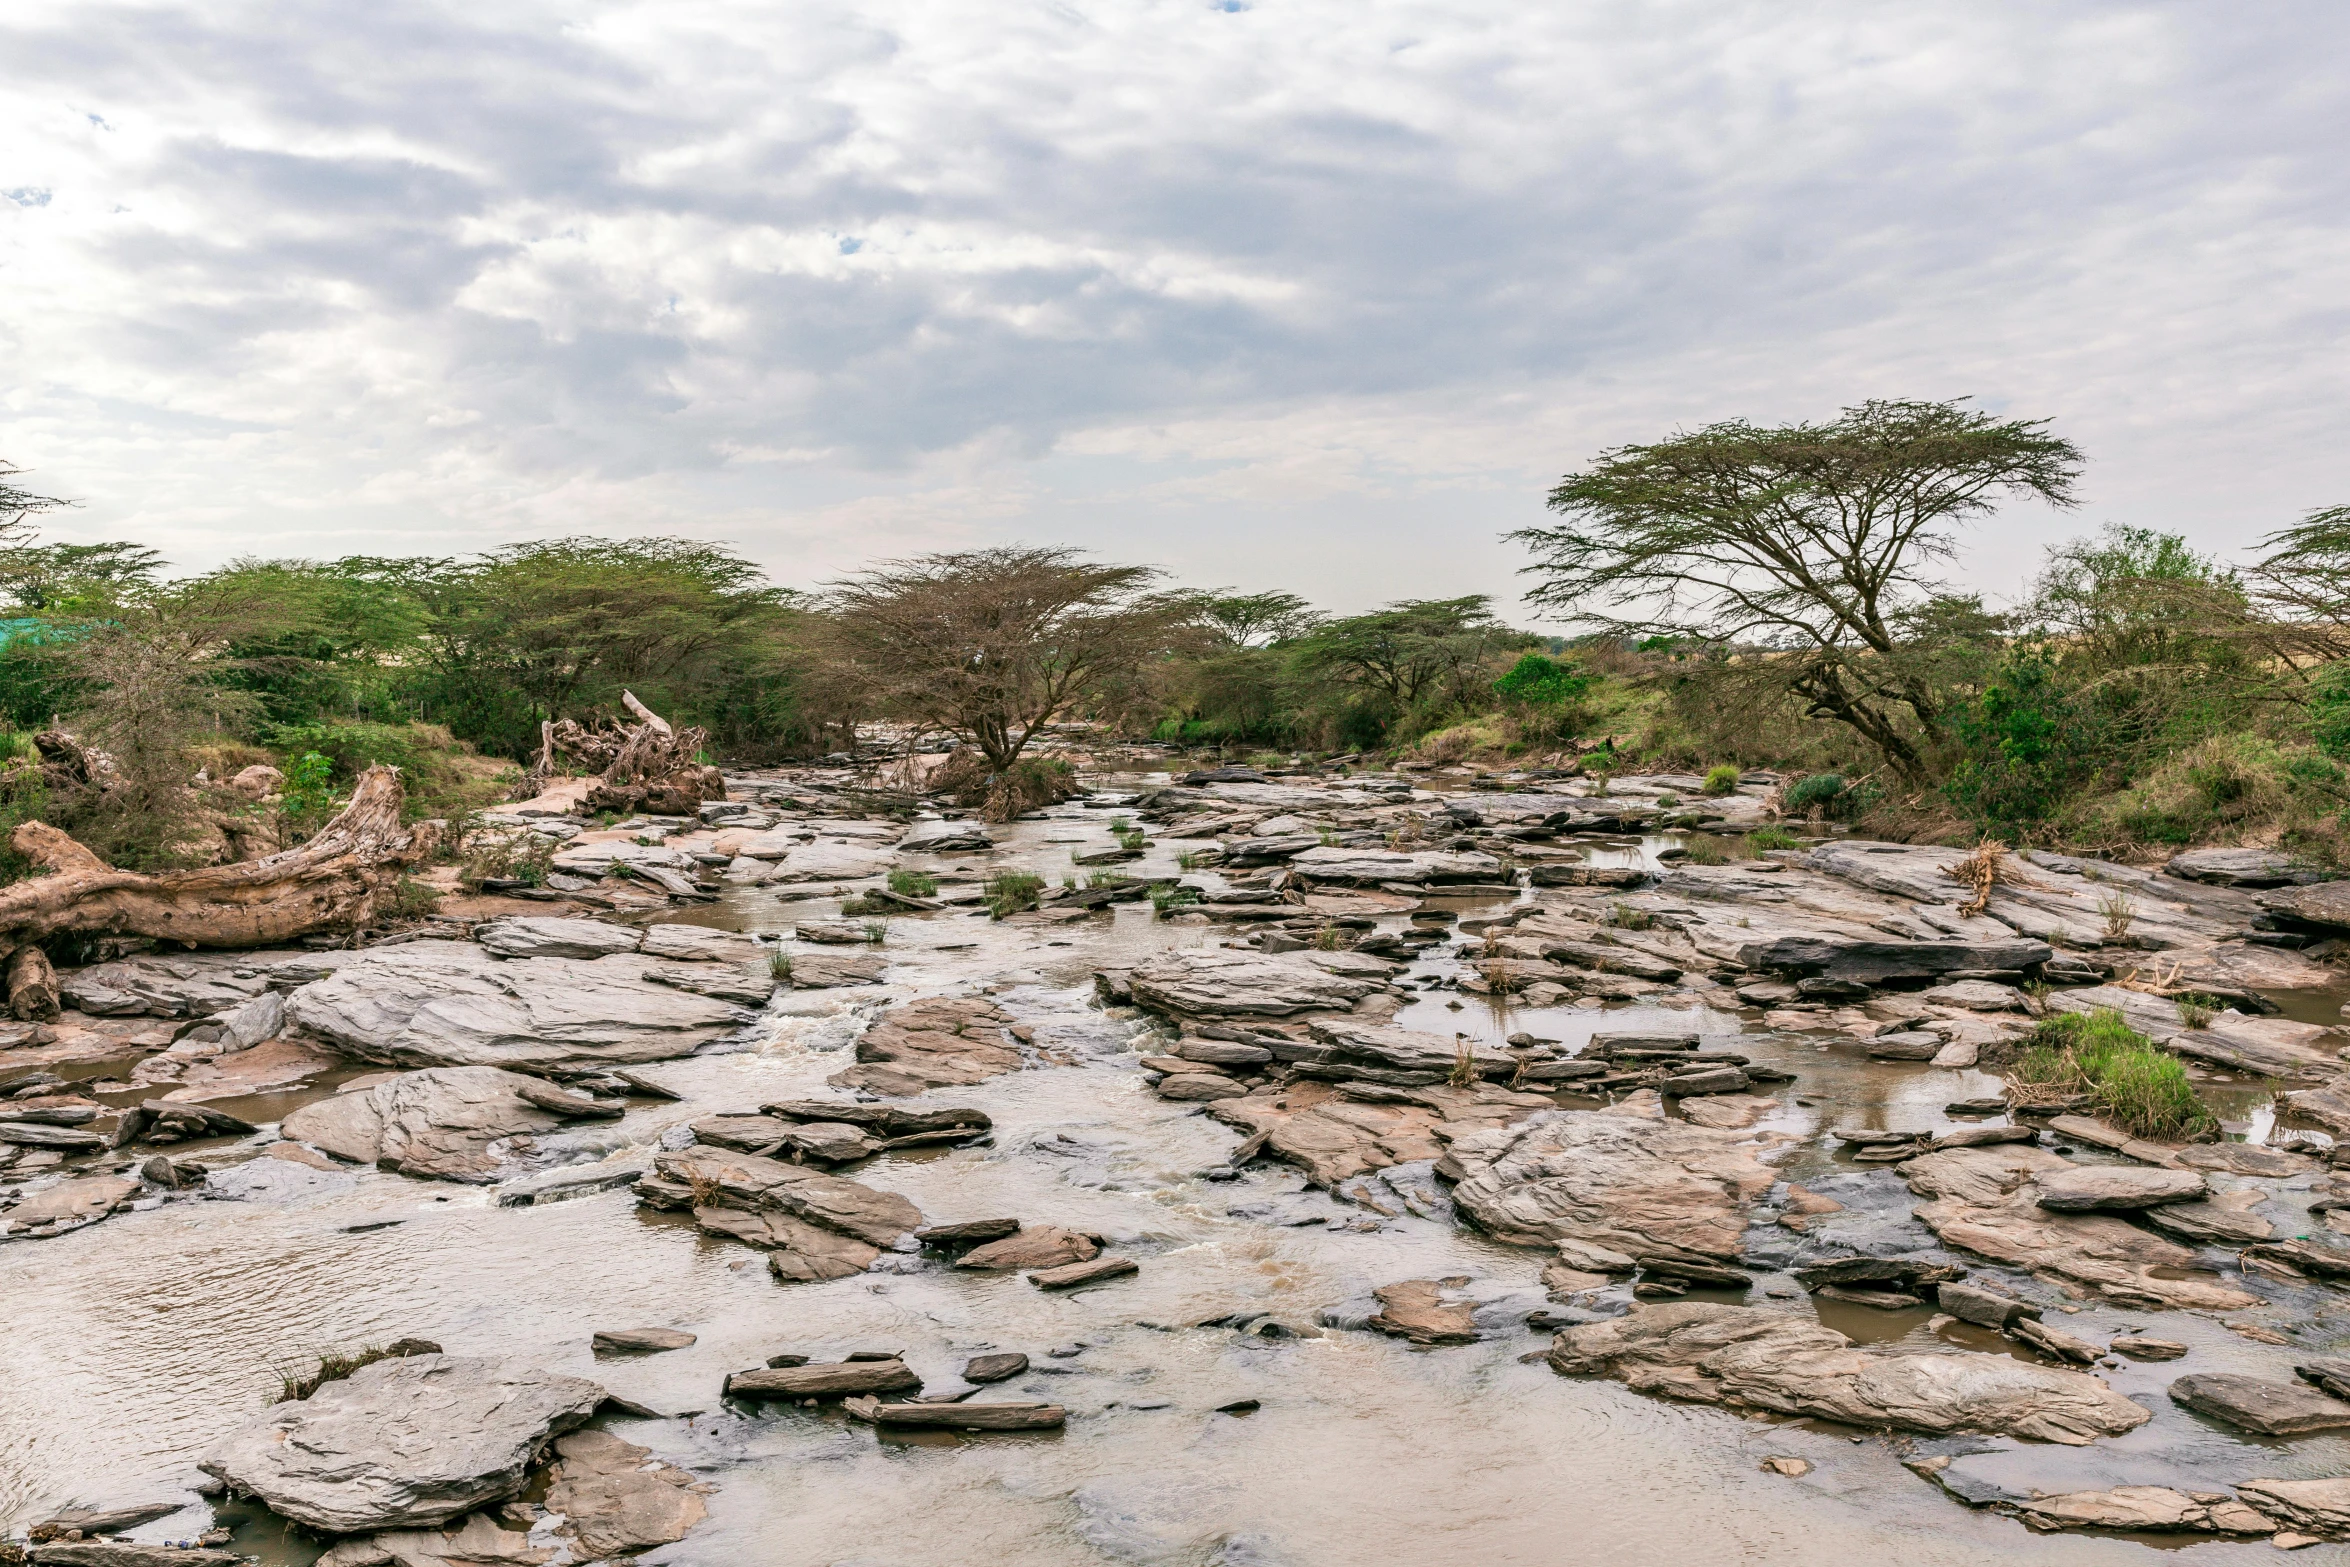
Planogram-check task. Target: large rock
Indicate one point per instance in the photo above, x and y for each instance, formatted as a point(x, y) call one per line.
point(1616, 1181)
point(1375, 867)
point(2244, 868)
point(439, 1124)
point(2142, 1509)
point(546, 936)
point(2255, 1404)
point(2116, 1188)
point(701, 944)
point(1032, 1246)
point(616, 1498)
point(2326, 904)
point(1792, 1364)
point(937, 1042)
point(448, 1003)
point(124, 1553)
point(2319, 1507)
point(816, 1226)
point(1340, 1138)
point(188, 985)
point(1986, 1201)
point(940, 837)
point(1220, 982)
point(402, 1444)
point(66, 1206)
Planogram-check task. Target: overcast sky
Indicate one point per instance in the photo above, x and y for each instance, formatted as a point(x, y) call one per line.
point(1317, 294)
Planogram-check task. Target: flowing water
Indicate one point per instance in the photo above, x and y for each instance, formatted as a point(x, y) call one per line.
point(132, 1344)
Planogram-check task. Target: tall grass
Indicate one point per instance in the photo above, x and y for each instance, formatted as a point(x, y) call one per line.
point(2143, 1089)
point(1012, 892)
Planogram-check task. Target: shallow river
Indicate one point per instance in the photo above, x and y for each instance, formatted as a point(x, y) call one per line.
point(133, 1343)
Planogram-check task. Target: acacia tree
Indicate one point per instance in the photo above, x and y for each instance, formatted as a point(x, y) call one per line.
point(1409, 653)
point(1811, 541)
point(992, 645)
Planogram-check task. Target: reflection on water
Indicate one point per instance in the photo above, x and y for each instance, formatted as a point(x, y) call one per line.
point(132, 1344)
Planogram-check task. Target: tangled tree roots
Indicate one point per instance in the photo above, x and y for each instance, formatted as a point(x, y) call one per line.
point(647, 766)
point(330, 883)
point(1027, 785)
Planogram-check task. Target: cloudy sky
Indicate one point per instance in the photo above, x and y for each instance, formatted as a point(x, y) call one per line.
point(1308, 293)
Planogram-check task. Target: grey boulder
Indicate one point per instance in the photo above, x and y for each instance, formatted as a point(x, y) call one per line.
point(440, 1124)
point(543, 936)
point(1622, 1182)
point(402, 1444)
point(1222, 982)
point(2254, 1404)
point(2244, 868)
point(450, 1003)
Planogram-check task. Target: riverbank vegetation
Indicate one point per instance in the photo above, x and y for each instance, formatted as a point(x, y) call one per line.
point(1740, 597)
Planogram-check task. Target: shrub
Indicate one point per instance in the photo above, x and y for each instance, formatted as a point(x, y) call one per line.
point(1763, 838)
point(1012, 892)
point(779, 966)
point(1819, 792)
point(1721, 780)
point(2143, 1089)
point(410, 900)
point(1542, 682)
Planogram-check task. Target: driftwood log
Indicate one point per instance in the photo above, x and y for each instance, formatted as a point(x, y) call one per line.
point(329, 883)
point(649, 765)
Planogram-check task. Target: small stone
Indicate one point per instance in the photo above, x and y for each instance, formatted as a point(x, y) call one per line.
point(646, 1340)
point(1792, 1468)
point(2139, 1348)
point(994, 1368)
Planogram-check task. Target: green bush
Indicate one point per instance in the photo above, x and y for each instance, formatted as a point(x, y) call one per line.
point(1537, 681)
point(1819, 792)
point(1721, 780)
point(913, 884)
point(1764, 838)
point(2142, 1088)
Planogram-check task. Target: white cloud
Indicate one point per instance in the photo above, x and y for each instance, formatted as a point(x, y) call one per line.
point(1316, 293)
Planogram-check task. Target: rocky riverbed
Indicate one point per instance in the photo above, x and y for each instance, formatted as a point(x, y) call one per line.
point(1436, 1165)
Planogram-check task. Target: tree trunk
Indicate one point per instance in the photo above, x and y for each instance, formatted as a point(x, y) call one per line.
point(329, 883)
point(32, 986)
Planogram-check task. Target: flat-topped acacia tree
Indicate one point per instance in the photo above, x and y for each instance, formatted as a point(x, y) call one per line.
point(992, 645)
point(1810, 541)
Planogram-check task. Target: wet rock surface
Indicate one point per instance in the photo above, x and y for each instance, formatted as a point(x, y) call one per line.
point(404, 1443)
point(1461, 1069)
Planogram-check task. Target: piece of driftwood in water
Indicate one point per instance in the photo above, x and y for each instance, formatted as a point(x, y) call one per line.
point(32, 986)
point(650, 766)
point(330, 883)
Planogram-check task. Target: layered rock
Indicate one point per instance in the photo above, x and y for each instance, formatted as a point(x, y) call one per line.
point(444, 1003)
point(937, 1042)
point(441, 1124)
point(1616, 1181)
point(1793, 1365)
point(402, 1444)
point(1218, 982)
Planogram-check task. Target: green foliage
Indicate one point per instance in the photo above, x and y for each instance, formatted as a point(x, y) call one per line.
point(309, 786)
point(1721, 780)
point(1170, 896)
point(1012, 892)
point(1819, 792)
point(2329, 711)
point(913, 884)
point(410, 899)
point(2143, 1089)
point(779, 965)
point(1546, 682)
point(1764, 839)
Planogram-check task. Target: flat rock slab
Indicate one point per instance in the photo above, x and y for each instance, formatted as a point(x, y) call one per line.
point(641, 1339)
point(2269, 1046)
point(2244, 868)
point(1072, 1275)
point(752, 1183)
point(1335, 1136)
point(2318, 1507)
point(402, 1444)
point(1378, 867)
point(2116, 1188)
point(994, 1368)
point(616, 1498)
point(446, 1003)
point(1985, 1202)
point(1033, 1246)
point(938, 1042)
point(1219, 982)
point(2141, 1509)
point(834, 969)
point(843, 1379)
point(544, 936)
point(122, 1553)
point(2255, 1404)
point(1415, 1309)
point(970, 1417)
point(441, 1124)
point(1791, 1364)
point(1617, 1181)
point(67, 1206)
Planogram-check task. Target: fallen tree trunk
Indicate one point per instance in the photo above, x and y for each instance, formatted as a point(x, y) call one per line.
point(647, 766)
point(329, 883)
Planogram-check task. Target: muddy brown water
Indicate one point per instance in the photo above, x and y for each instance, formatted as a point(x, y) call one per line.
point(130, 1345)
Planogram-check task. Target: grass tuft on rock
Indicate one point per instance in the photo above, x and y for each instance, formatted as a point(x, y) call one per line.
point(2140, 1087)
point(1012, 892)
